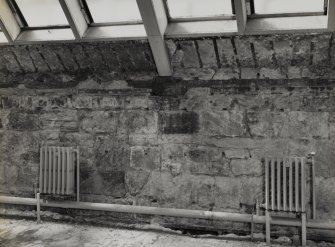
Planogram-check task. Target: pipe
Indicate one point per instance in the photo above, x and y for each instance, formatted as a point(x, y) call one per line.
point(172, 212)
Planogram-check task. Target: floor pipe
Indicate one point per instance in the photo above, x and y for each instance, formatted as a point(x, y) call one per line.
point(173, 212)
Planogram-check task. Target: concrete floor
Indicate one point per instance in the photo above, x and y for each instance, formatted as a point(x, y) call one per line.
point(17, 233)
point(28, 233)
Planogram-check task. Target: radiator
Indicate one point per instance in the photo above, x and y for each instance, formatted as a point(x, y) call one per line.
point(57, 170)
point(285, 184)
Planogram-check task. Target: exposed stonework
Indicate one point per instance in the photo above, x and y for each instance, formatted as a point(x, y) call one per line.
point(248, 57)
point(194, 140)
point(125, 57)
point(180, 144)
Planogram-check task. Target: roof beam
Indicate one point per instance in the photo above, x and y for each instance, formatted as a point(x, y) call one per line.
point(241, 15)
point(75, 17)
point(8, 23)
point(155, 22)
point(331, 15)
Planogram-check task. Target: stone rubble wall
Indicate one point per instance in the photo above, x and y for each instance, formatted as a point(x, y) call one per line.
point(282, 56)
point(171, 143)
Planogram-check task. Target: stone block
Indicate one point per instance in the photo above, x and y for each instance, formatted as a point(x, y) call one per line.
point(51, 58)
point(64, 119)
point(122, 52)
point(112, 153)
point(109, 56)
point(174, 168)
point(264, 53)
point(8, 58)
point(236, 153)
point(99, 121)
point(226, 193)
point(141, 57)
point(301, 51)
point(251, 190)
point(23, 57)
point(269, 73)
point(321, 50)
point(200, 154)
point(283, 52)
point(195, 99)
point(66, 57)
point(95, 56)
point(109, 183)
point(226, 52)
point(20, 148)
point(306, 125)
point(4, 118)
point(145, 158)
point(248, 167)
point(226, 74)
point(222, 123)
point(311, 73)
point(178, 123)
point(324, 159)
point(174, 153)
point(192, 74)
point(294, 72)
point(136, 180)
point(22, 120)
point(138, 122)
point(177, 58)
point(38, 59)
point(265, 124)
point(160, 188)
point(216, 168)
point(244, 52)
point(80, 101)
point(139, 102)
point(249, 73)
point(80, 56)
point(190, 55)
point(207, 53)
point(325, 198)
point(171, 47)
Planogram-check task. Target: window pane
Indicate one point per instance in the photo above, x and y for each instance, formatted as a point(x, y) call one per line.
point(41, 13)
point(288, 6)
point(104, 11)
point(199, 8)
point(2, 38)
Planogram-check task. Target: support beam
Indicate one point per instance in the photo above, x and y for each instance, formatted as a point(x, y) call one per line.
point(75, 17)
point(241, 15)
point(155, 22)
point(8, 23)
point(331, 15)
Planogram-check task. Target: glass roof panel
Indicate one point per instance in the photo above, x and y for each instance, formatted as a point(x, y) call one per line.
point(199, 8)
point(41, 13)
point(114, 11)
point(2, 38)
point(288, 6)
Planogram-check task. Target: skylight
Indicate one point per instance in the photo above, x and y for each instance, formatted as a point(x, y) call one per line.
point(2, 37)
point(40, 13)
point(114, 11)
point(199, 8)
point(288, 6)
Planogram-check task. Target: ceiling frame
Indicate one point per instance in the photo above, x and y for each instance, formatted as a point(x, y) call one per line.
point(155, 21)
point(8, 23)
point(75, 17)
point(331, 15)
point(241, 15)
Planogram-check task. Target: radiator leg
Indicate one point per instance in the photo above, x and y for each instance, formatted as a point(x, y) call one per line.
point(267, 227)
point(252, 227)
point(303, 229)
point(38, 207)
